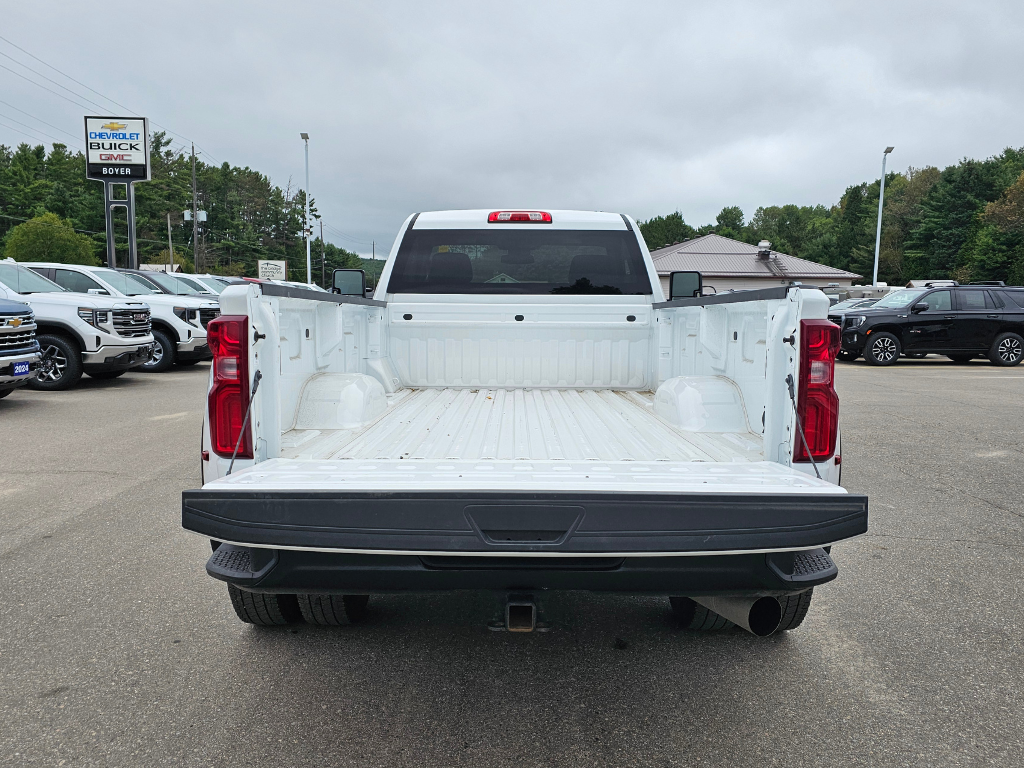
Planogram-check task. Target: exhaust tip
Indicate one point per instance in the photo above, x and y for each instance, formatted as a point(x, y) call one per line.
point(765, 616)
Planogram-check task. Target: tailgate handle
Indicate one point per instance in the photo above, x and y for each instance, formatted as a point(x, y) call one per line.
point(535, 524)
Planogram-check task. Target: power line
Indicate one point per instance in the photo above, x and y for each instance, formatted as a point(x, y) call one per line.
point(44, 133)
point(50, 80)
point(39, 85)
point(112, 101)
point(77, 138)
point(16, 130)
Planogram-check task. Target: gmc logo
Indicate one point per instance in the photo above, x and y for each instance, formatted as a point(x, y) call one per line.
point(116, 158)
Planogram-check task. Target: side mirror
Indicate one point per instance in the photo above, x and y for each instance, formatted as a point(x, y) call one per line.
point(685, 285)
point(921, 306)
point(98, 292)
point(349, 282)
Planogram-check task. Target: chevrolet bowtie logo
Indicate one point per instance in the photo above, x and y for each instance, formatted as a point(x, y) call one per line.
point(115, 126)
point(14, 322)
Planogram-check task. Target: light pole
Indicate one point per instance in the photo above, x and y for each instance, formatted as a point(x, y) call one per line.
point(878, 231)
point(306, 227)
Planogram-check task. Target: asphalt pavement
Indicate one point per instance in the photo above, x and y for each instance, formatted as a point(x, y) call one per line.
point(116, 649)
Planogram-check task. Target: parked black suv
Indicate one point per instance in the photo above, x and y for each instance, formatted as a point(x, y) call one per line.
point(960, 322)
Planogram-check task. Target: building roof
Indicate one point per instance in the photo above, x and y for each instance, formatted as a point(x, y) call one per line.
point(717, 256)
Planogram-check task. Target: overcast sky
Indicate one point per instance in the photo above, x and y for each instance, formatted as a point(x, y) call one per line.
point(640, 107)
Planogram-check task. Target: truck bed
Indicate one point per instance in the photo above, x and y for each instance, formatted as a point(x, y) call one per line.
point(521, 425)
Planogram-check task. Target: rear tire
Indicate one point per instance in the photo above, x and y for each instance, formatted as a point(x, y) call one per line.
point(333, 610)
point(846, 357)
point(1007, 350)
point(107, 374)
point(693, 615)
point(794, 610)
point(164, 353)
point(264, 610)
point(62, 368)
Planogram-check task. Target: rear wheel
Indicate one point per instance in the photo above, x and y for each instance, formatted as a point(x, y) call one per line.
point(107, 374)
point(264, 610)
point(693, 615)
point(883, 349)
point(333, 610)
point(60, 366)
point(794, 610)
point(1007, 350)
point(164, 352)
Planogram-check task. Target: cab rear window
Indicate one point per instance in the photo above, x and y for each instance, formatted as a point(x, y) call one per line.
point(519, 262)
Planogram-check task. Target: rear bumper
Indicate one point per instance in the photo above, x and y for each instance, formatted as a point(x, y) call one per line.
point(293, 571)
point(509, 522)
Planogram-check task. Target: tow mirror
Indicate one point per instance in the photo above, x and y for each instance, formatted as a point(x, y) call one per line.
point(685, 285)
point(349, 282)
point(921, 306)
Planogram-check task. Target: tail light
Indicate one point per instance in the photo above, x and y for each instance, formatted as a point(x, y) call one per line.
point(817, 403)
point(519, 217)
point(228, 337)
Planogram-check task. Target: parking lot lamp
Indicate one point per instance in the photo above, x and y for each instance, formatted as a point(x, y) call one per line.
point(306, 228)
point(878, 231)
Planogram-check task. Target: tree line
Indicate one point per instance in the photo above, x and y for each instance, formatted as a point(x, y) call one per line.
point(49, 211)
point(965, 223)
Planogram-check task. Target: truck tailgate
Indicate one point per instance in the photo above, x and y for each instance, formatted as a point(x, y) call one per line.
point(508, 507)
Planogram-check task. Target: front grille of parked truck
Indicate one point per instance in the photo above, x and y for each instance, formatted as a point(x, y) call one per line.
point(17, 331)
point(206, 315)
point(132, 323)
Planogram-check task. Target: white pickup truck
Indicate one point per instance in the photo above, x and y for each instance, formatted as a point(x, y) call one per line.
point(520, 410)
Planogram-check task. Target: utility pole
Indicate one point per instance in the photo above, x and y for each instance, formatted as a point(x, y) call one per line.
point(196, 257)
point(878, 231)
point(170, 245)
point(323, 257)
point(309, 229)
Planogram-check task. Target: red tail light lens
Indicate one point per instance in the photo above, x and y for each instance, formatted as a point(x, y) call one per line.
point(519, 217)
point(228, 337)
point(816, 401)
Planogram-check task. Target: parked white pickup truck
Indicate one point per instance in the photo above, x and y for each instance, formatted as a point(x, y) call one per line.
point(519, 410)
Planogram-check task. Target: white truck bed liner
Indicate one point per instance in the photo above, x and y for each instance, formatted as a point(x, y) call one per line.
point(521, 425)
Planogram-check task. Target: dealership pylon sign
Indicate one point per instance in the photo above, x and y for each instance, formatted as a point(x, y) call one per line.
point(117, 152)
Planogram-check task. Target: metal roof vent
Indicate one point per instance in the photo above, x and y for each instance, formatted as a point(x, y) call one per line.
point(764, 250)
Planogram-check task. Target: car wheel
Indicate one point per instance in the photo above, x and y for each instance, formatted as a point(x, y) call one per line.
point(846, 357)
point(961, 358)
point(917, 355)
point(60, 366)
point(693, 615)
point(164, 352)
point(883, 349)
point(333, 610)
point(107, 374)
point(264, 610)
point(1007, 350)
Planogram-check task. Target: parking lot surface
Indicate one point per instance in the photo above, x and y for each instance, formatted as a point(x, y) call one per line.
point(116, 649)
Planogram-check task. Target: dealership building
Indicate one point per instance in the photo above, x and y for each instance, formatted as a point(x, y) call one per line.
point(729, 264)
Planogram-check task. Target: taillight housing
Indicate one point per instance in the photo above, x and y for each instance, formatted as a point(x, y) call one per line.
point(817, 403)
point(228, 337)
point(519, 217)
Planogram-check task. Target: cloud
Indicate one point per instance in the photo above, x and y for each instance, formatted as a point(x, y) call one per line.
point(643, 107)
